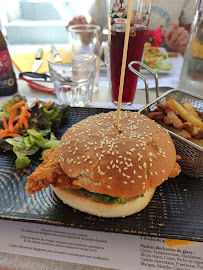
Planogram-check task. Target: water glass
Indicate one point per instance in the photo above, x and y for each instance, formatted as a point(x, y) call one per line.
point(73, 77)
point(86, 37)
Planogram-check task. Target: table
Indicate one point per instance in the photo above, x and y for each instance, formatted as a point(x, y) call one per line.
point(15, 262)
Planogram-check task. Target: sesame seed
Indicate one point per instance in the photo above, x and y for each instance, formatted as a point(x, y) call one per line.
point(139, 176)
point(140, 167)
point(132, 181)
point(109, 187)
point(134, 172)
point(163, 171)
point(125, 182)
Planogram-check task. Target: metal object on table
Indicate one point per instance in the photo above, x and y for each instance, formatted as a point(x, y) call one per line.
point(57, 58)
point(191, 154)
point(38, 60)
point(130, 66)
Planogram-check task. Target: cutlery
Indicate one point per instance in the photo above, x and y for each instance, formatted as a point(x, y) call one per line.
point(57, 58)
point(38, 60)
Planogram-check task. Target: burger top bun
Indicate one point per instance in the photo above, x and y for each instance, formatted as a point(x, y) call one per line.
point(121, 162)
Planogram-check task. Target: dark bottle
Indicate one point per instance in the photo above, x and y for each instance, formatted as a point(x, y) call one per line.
point(8, 84)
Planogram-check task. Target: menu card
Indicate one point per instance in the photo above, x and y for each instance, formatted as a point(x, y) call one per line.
point(104, 249)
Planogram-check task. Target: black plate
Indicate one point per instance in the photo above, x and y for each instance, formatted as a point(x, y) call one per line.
point(174, 212)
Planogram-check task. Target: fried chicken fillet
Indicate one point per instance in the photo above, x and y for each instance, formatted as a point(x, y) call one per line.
point(49, 173)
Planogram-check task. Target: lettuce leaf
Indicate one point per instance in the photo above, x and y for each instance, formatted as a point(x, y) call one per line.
point(22, 161)
point(29, 145)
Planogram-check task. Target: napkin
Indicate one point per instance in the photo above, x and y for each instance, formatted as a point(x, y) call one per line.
point(24, 62)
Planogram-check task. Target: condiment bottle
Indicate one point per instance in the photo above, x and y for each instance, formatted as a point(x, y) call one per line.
point(8, 84)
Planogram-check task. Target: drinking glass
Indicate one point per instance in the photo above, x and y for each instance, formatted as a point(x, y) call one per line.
point(138, 28)
point(86, 37)
point(73, 77)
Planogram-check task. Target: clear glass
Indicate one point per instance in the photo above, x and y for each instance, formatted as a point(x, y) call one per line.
point(138, 29)
point(86, 37)
point(73, 77)
point(191, 76)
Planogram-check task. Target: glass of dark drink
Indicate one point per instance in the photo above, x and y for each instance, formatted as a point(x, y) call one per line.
point(117, 27)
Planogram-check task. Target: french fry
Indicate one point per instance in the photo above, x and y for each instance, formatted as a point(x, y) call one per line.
point(184, 114)
point(156, 115)
point(168, 105)
point(181, 132)
point(174, 120)
point(194, 131)
point(166, 121)
point(188, 106)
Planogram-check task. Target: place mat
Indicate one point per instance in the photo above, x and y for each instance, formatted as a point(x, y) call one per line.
point(24, 62)
point(174, 212)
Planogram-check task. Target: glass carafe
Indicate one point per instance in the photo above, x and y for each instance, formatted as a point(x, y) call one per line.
point(191, 76)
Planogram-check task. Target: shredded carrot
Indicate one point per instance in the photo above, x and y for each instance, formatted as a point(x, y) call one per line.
point(25, 123)
point(10, 123)
point(3, 132)
point(2, 136)
point(28, 115)
point(23, 119)
point(48, 103)
point(15, 121)
point(5, 122)
point(16, 126)
point(36, 100)
point(16, 118)
point(16, 106)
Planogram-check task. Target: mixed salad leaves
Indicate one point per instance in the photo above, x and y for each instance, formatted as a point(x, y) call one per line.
point(29, 127)
point(156, 59)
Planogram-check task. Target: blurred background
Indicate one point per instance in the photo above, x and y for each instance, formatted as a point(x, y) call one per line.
point(39, 21)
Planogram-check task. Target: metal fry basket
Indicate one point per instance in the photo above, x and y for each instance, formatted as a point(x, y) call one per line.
point(191, 154)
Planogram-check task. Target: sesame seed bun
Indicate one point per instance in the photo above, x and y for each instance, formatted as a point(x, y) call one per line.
point(123, 162)
point(95, 206)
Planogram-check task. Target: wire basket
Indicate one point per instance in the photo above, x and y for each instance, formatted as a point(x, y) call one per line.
point(191, 154)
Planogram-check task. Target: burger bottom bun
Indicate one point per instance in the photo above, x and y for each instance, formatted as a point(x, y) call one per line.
point(95, 205)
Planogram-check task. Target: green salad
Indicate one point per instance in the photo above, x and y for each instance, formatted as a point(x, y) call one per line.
point(156, 59)
point(29, 127)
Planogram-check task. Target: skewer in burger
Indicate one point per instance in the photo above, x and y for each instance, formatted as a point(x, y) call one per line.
point(105, 170)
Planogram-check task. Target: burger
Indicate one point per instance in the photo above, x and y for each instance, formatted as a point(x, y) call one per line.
point(105, 170)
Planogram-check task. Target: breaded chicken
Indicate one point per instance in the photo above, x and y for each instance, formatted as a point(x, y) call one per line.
point(49, 173)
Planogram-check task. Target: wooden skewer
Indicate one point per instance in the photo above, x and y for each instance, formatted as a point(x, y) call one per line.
point(125, 51)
